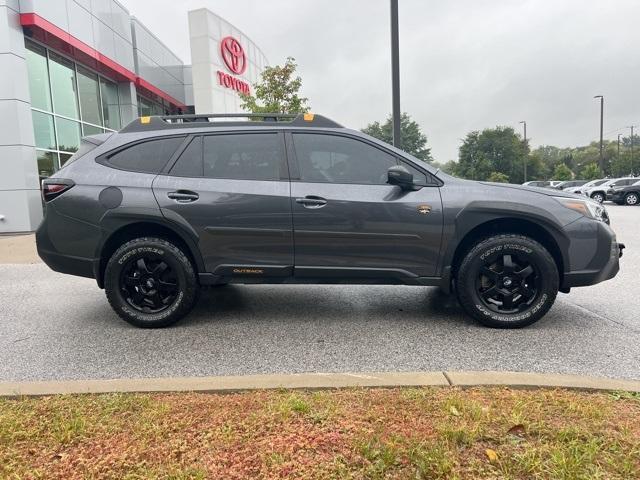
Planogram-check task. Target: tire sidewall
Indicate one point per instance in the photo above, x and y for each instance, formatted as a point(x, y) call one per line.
point(523, 248)
point(169, 254)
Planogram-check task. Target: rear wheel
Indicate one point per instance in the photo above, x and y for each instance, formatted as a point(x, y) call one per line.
point(507, 281)
point(150, 283)
point(598, 197)
point(632, 198)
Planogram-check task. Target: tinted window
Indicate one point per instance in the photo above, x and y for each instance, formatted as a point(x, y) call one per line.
point(247, 156)
point(419, 178)
point(337, 159)
point(148, 157)
point(190, 162)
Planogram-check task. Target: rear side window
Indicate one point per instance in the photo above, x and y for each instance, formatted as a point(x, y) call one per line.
point(146, 157)
point(190, 162)
point(242, 156)
point(246, 156)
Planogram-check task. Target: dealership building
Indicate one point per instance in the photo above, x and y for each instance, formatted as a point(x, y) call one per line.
point(72, 68)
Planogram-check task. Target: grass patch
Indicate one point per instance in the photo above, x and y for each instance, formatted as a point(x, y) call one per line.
point(357, 433)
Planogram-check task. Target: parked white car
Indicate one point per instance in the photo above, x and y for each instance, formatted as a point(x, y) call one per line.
point(599, 192)
point(580, 190)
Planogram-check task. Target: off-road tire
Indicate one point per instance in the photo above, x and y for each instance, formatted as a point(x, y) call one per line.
point(525, 250)
point(186, 291)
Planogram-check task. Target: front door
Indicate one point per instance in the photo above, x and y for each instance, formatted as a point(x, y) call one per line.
point(233, 190)
point(349, 222)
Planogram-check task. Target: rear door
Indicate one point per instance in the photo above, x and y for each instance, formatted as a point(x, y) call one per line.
point(349, 222)
point(233, 190)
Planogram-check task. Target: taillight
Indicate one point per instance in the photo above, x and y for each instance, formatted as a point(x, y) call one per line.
point(54, 187)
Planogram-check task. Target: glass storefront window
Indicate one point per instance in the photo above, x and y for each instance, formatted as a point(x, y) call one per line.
point(43, 130)
point(64, 157)
point(145, 108)
point(63, 86)
point(67, 101)
point(110, 104)
point(47, 163)
point(89, 93)
point(68, 135)
point(38, 76)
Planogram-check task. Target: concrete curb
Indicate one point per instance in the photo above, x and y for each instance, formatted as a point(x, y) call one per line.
point(315, 381)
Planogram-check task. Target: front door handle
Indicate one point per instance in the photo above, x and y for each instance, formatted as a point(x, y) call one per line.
point(312, 201)
point(183, 196)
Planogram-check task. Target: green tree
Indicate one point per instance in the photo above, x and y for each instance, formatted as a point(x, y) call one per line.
point(498, 177)
point(278, 91)
point(591, 172)
point(562, 172)
point(498, 150)
point(411, 136)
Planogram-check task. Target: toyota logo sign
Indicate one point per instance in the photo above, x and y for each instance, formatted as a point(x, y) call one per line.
point(233, 55)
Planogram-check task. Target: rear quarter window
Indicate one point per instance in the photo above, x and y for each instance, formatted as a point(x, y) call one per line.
point(149, 156)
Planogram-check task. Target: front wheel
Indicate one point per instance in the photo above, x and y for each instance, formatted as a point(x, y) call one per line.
point(598, 197)
point(507, 281)
point(631, 198)
point(150, 283)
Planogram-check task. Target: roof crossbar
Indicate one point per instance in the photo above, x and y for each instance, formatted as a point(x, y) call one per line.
point(165, 122)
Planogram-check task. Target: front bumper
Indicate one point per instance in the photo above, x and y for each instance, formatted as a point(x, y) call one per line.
point(604, 263)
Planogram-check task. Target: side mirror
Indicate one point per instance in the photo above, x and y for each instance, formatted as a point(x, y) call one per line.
point(399, 175)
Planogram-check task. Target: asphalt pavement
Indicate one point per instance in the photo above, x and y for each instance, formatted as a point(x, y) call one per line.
point(57, 327)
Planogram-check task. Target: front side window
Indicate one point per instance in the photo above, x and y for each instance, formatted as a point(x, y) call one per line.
point(419, 178)
point(337, 159)
point(146, 157)
point(246, 156)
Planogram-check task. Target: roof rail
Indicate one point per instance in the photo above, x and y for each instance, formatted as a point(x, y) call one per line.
point(166, 122)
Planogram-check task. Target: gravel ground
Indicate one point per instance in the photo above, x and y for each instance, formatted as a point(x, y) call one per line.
point(60, 327)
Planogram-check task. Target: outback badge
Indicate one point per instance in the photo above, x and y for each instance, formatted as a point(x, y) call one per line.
point(424, 209)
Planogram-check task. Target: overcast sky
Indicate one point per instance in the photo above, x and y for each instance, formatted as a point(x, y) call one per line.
point(465, 64)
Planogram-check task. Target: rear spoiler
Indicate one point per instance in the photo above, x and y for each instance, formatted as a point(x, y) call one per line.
point(97, 140)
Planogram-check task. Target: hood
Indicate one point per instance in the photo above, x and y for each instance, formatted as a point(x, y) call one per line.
point(541, 190)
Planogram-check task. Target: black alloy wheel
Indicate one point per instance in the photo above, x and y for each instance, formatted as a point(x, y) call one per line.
point(149, 284)
point(507, 284)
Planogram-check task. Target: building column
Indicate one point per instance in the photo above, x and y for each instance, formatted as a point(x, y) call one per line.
point(20, 203)
point(128, 102)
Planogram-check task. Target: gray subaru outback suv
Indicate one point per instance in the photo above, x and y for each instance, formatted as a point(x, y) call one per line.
point(170, 204)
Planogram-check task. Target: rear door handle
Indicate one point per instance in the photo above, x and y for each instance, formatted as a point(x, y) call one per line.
point(183, 196)
point(312, 201)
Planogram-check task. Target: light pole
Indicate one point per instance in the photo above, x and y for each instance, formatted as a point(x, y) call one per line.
point(632, 127)
point(619, 135)
point(601, 130)
point(395, 74)
point(526, 152)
